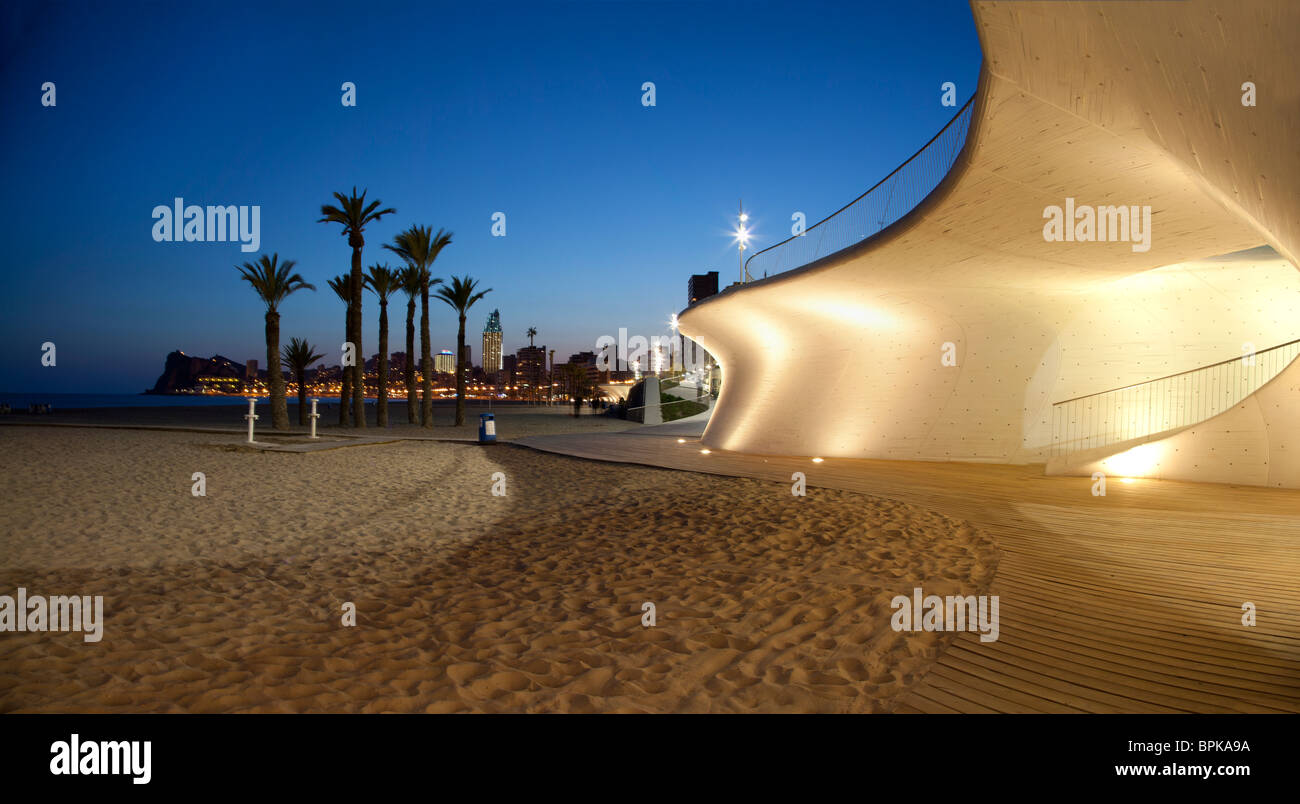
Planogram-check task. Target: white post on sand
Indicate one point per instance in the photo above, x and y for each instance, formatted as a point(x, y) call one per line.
point(314, 417)
point(252, 417)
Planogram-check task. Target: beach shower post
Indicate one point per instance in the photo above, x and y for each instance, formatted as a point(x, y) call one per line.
point(314, 417)
point(252, 417)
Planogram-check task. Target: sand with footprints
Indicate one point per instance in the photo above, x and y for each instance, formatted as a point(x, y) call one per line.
point(465, 601)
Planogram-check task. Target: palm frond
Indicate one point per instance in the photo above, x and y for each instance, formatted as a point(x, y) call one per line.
point(352, 212)
point(342, 286)
point(297, 355)
point(460, 293)
point(410, 276)
point(383, 281)
point(272, 280)
point(419, 247)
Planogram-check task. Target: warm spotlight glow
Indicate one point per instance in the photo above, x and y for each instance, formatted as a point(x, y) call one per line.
point(1137, 462)
point(681, 441)
point(851, 314)
point(817, 460)
point(704, 452)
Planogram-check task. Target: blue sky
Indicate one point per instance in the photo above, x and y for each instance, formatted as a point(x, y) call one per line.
point(462, 110)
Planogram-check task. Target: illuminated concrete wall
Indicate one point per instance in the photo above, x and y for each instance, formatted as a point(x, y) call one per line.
point(969, 275)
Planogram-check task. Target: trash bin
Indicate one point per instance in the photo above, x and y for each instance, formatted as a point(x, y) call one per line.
point(487, 428)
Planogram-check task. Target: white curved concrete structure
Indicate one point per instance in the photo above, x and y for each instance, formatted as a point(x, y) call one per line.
point(1106, 103)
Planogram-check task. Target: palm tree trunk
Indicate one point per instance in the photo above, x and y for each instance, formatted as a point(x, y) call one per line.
point(359, 370)
point(410, 361)
point(345, 385)
point(460, 372)
point(382, 406)
point(275, 378)
point(426, 360)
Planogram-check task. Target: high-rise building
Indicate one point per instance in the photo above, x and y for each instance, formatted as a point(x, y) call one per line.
point(701, 286)
point(698, 288)
point(588, 361)
point(508, 371)
point(445, 362)
point(466, 362)
point(530, 365)
point(492, 344)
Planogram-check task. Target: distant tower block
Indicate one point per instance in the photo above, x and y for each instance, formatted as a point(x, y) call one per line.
point(445, 362)
point(492, 364)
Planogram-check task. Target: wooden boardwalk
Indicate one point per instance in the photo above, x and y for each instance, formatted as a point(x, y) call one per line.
point(1130, 602)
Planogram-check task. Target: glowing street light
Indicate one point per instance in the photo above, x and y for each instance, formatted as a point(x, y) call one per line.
point(742, 235)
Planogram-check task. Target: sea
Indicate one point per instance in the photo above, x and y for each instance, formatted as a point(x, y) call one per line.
point(20, 401)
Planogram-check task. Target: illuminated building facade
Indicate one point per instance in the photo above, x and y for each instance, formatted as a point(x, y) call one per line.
point(445, 362)
point(530, 365)
point(492, 345)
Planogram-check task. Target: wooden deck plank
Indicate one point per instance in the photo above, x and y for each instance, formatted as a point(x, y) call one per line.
point(1124, 603)
point(994, 693)
point(1165, 630)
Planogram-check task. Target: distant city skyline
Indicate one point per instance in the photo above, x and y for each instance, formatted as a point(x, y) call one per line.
point(534, 111)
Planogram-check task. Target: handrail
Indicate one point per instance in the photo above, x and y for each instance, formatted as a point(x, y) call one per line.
point(959, 123)
point(1181, 373)
point(1165, 403)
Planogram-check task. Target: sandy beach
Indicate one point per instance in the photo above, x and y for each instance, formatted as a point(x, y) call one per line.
point(465, 601)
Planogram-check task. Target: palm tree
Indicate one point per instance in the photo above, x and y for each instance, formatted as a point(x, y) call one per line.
point(298, 355)
point(411, 279)
point(353, 213)
point(532, 333)
point(273, 281)
point(460, 295)
point(342, 286)
point(418, 246)
point(384, 282)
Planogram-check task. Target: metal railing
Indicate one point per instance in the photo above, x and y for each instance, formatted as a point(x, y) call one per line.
point(1164, 404)
point(884, 203)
